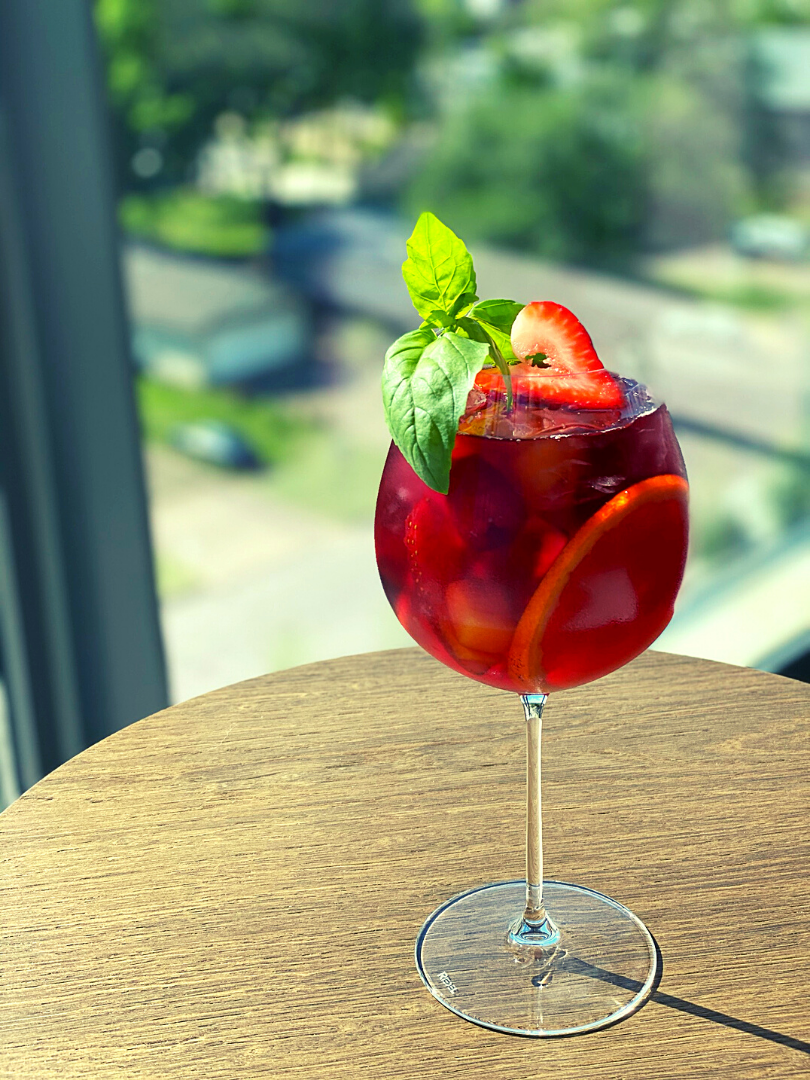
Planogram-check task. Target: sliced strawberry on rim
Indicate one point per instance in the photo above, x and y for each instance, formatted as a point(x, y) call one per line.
point(573, 374)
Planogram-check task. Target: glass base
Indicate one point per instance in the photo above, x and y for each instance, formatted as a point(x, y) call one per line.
point(602, 969)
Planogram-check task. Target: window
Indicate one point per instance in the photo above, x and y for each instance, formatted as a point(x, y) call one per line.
point(643, 162)
point(79, 641)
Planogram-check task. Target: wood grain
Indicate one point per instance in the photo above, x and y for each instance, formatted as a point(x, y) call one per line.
point(231, 888)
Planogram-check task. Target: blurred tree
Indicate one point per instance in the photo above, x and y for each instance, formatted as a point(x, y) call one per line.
point(446, 21)
point(695, 183)
point(146, 112)
point(612, 128)
point(554, 171)
point(174, 65)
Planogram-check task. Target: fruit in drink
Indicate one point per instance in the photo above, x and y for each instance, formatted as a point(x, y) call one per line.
point(610, 593)
point(555, 557)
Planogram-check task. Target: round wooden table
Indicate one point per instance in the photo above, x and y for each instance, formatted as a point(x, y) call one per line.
point(232, 888)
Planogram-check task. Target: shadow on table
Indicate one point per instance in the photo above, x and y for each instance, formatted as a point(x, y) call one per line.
point(582, 968)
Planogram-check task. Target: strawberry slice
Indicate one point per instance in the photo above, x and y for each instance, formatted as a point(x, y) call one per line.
point(574, 374)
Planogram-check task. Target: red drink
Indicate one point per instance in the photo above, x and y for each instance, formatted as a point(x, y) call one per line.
point(554, 558)
point(557, 554)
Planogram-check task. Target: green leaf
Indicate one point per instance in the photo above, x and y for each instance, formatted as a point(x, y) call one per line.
point(469, 328)
point(426, 381)
point(465, 301)
point(498, 313)
point(502, 342)
point(500, 348)
point(439, 270)
point(497, 316)
point(440, 318)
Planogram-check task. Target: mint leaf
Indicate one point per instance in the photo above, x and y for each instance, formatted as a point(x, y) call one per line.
point(426, 381)
point(439, 270)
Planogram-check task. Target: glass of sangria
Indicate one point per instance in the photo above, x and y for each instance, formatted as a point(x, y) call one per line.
point(554, 558)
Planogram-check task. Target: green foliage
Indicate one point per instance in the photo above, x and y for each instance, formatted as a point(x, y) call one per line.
point(695, 185)
point(558, 172)
point(750, 296)
point(425, 386)
point(612, 127)
point(142, 98)
point(721, 538)
point(445, 21)
point(273, 433)
point(429, 372)
point(779, 12)
point(174, 65)
point(233, 9)
point(439, 270)
point(792, 495)
point(183, 219)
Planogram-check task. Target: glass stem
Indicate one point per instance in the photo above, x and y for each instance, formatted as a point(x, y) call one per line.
point(535, 928)
point(533, 708)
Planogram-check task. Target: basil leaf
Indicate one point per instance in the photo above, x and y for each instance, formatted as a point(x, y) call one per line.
point(498, 313)
point(469, 328)
point(439, 270)
point(465, 301)
point(440, 318)
point(500, 349)
point(426, 381)
point(404, 355)
point(497, 316)
point(502, 342)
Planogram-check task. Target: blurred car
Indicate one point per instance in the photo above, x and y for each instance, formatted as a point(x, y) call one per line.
point(770, 236)
point(215, 443)
point(199, 322)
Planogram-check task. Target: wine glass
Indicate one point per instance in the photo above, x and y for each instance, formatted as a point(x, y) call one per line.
point(554, 559)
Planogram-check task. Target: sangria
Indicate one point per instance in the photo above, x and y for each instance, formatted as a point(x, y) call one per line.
point(531, 533)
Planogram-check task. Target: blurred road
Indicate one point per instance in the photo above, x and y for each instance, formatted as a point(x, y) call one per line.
point(711, 362)
point(251, 584)
point(263, 572)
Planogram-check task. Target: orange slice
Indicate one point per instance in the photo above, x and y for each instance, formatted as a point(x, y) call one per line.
point(480, 618)
point(609, 593)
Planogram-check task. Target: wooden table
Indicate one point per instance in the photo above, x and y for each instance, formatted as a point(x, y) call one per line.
point(231, 888)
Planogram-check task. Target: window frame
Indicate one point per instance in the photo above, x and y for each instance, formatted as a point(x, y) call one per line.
point(82, 654)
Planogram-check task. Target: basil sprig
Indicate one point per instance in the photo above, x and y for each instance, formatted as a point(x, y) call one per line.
point(429, 372)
